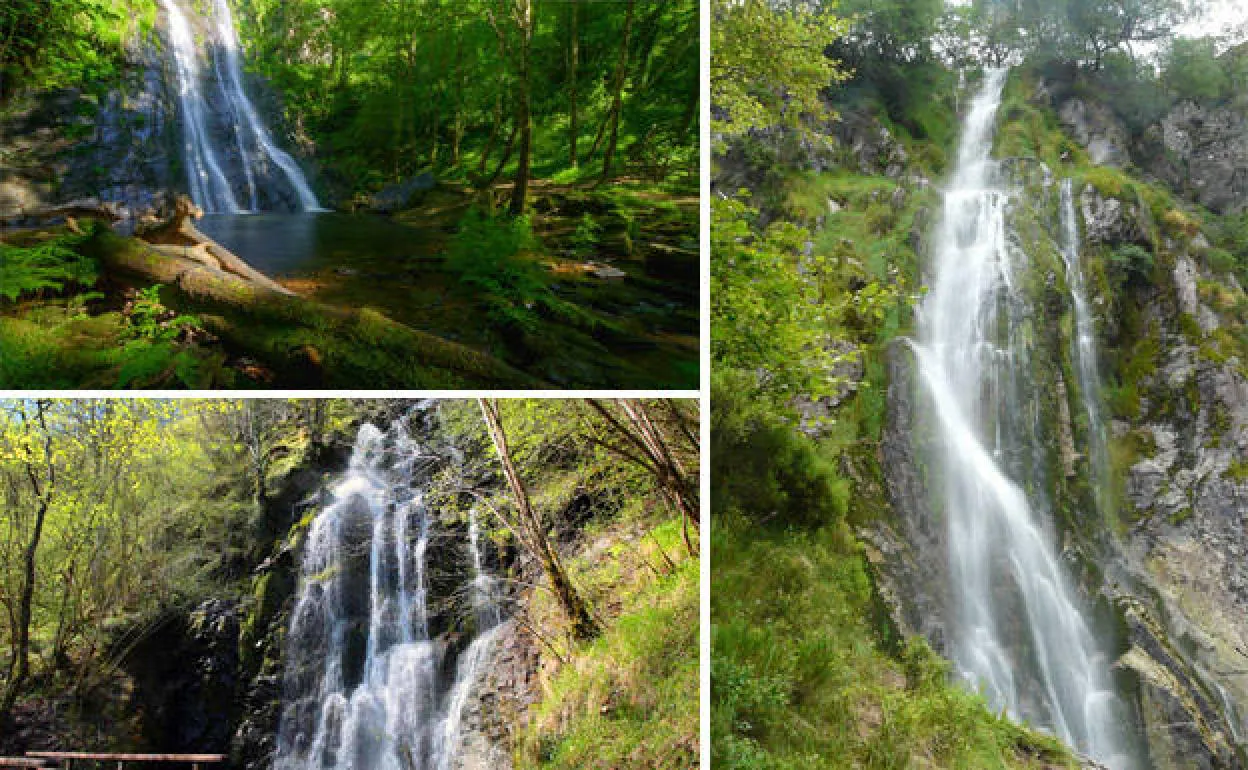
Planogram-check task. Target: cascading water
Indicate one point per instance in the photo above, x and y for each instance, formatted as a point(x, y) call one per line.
point(365, 688)
point(1017, 632)
point(209, 188)
point(214, 174)
point(1084, 351)
point(228, 40)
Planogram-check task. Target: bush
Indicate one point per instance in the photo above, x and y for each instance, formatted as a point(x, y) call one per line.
point(1131, 263)
point(1192, 70)
point(491, 254)
point(760, 464)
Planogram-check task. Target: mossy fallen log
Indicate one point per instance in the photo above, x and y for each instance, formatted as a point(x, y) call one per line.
point(307, 343)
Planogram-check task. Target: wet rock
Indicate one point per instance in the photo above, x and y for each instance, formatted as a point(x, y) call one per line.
point(400, 196)
point(186, 675)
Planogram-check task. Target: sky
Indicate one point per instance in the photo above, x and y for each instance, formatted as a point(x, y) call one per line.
point(1221, 17)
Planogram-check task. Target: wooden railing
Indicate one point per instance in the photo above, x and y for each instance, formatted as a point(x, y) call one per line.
point(67, 758)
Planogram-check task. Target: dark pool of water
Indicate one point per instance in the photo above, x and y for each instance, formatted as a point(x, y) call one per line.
point(302, 244)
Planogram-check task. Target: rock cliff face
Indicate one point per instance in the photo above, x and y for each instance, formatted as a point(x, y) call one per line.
point(121, 148)
point(1200, 152)
point(1167, 577)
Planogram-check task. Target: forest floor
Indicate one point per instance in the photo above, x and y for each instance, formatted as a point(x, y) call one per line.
point(620, 260)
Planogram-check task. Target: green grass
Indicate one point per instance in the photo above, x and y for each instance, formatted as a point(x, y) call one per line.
point(800, 678)
point(629, 698)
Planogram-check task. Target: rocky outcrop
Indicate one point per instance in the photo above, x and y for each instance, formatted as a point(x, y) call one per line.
point(869, 145)
point(497, 704)
point(186, 674)
point(907, 556)
point(1188, 498)
point(1112, 221)
point(119, 149)
point(1201, 151)
point(403, 195)
point(1098, 129)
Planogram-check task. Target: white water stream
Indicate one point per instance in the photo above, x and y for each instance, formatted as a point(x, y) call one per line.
point(365, 688)
point(1018, 633)
point(217, 113)
point(1084, 351)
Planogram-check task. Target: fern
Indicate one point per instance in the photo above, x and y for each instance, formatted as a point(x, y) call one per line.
point(49, 266)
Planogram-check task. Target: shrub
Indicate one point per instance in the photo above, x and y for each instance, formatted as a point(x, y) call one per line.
point(1131, 263)
point(492, 255)
point(762, 465)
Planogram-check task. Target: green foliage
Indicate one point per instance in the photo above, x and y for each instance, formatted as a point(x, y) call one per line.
point(493, 255)
point(888, 49)
point(151, 320)
point(765, 317)
point(768, 64)
point(139, 497)
point(1130, 263)
point(48, 44)
point(1086, 33)
point(51, 265)
point(587, 234)
point(799, 674)
point(1192, 70)
point(644, 673)
point(401, 87)
point(1109, 182)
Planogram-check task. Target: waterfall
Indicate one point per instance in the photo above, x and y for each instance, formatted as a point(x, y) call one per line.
point(364, 671)
point(213, 174)
point(1017, 632)
point(209, 188)
point(1084, 351)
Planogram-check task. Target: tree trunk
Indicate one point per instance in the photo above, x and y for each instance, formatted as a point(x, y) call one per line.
point(489, 140)
point(524, 117)
point(574, 55)
point(584, 627)
point(502, 163)
point(220, 296)
point(617, 103)
point(43, 494)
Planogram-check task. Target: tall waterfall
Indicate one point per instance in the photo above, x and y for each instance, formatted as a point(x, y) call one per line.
point(365, 681)
point(227, 147)
point(1017, 632)
point(1084, 352)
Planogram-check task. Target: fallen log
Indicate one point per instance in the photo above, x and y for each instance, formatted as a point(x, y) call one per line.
point(180, 232)
point(317, 345)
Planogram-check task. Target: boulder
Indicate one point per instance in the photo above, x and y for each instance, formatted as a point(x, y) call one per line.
point(1202, 151)
point(1111, 220)
point(399, 196)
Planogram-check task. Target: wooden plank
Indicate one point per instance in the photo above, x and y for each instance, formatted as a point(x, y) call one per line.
point(108, 757)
